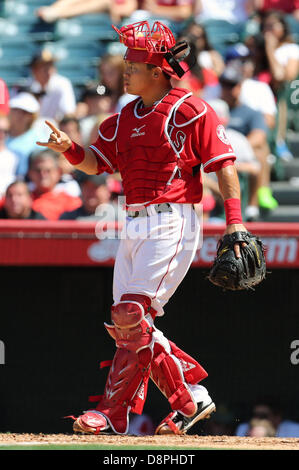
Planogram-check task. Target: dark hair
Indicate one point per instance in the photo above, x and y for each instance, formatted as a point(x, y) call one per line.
point(67, 119)
point(279, 17)
point(258, 42)
point(193, 38)
point(15, 183)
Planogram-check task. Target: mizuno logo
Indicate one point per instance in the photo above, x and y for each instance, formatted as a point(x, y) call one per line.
point(136, 132)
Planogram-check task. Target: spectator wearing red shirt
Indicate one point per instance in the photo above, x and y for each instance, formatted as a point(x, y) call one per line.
point(290, 7)
point(174, 10)
point(49, 199)
point(173, 13)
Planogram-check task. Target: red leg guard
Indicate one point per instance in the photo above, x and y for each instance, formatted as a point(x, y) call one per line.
point(193, 371)
point(126, 387)
point(172, 370)
point(127, 382)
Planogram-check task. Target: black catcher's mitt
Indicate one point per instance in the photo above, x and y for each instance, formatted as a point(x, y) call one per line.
point(232, 273)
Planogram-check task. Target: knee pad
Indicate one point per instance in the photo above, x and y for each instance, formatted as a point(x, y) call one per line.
point(132, 322)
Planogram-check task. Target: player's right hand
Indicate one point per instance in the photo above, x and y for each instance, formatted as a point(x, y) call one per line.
point(58, 141)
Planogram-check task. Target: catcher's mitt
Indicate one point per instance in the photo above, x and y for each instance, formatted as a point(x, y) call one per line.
point(232, 273)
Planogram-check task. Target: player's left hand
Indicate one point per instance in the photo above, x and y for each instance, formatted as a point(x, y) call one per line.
point(236, 228)
point(58, 141)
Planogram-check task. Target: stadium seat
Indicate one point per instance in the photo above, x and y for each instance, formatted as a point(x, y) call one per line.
point(13, 74)
point(8, 29)
point(26, 8)
point(221, 34)
point(20, 27)
point(78, 74)
point(16, 52)
point(77, 27)
point(294, 27)
point(77, 50)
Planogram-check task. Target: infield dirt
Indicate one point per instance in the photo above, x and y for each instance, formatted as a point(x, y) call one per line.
point(171, 442)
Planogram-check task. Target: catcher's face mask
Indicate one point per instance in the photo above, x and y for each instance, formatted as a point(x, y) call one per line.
point(154, 46)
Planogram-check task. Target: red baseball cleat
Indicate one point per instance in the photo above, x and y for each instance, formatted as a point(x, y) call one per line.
point(92, 422)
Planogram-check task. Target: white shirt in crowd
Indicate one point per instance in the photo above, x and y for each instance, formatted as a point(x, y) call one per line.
point(8, 167)
point(258, 96)
point(233, 11)
point(59, 99)
point(286, 52)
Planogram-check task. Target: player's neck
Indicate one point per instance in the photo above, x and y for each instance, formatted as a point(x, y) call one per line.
point(154, 95)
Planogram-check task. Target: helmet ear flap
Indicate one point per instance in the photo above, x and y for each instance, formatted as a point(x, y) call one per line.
point(173, 58)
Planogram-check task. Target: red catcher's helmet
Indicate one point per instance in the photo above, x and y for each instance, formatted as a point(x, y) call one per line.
point(154, 45)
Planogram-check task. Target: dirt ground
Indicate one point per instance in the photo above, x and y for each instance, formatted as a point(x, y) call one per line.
point(196, 442)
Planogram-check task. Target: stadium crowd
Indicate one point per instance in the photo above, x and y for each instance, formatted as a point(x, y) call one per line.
point(247, 81)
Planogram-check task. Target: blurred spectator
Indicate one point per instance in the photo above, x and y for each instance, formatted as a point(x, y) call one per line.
point(266, 409)
point(48, 197)
point(203, 82)
point(173, 13)
point(55, 92)
point(282, 52)
point(221, 422)
point(23, 134)
point(96, 201)
point(207, 57)
point(255, 93)
point(256, 58)
point(141, 425)
point(285, 6)
point(252, 124)
point(232, 11)
point(95, 104)
point(283, 59)
point(68, 182)
point(111, 70)
point(71, 125)
point(246, 162)
point(260, 428)
point(18, 203)
point(94, 133)
point(8, 159)
point(117, 9)
point(4, 98)
point(173, 10)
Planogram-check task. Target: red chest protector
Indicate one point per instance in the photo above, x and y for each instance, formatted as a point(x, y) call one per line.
point(148, 157)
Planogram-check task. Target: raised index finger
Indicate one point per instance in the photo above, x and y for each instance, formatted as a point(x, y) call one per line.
point(53, 128)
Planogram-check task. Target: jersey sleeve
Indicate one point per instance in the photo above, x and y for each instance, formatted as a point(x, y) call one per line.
point(214, 145)
point(104, 148)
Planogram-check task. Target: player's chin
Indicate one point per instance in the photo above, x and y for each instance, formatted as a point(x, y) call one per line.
point(130, 89)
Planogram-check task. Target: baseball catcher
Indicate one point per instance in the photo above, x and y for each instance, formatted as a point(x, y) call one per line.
point(160, 143)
